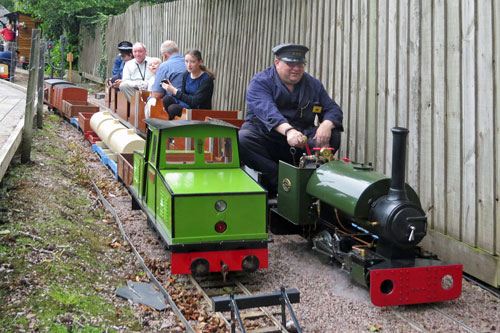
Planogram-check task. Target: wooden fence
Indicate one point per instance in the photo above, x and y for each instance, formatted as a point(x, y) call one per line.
point(431, 66)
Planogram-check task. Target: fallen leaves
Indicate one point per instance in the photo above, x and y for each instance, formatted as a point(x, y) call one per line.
point(157, 266)
point(137, 278)
point(114, 244)
point(375, 328)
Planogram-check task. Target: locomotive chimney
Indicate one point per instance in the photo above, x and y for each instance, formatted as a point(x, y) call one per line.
point(397, 190)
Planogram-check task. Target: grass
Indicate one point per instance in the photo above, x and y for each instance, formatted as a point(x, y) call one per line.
point(58, 272)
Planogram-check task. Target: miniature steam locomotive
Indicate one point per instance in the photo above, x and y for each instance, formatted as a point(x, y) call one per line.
point(369, 223)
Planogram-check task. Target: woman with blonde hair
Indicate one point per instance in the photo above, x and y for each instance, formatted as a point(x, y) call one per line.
point(197, 87)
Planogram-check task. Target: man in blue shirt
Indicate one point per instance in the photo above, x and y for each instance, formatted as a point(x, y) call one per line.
point(283, 105)
point(171, 69)
point(125, 49)
point(117, 64)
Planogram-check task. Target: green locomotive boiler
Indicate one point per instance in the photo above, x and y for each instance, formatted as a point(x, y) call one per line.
point(369, 223)
point(206, 209)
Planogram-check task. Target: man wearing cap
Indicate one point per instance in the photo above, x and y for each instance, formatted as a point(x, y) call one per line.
point(124, 48)
point(283, 105)
point(136, 72)
point(124, 55)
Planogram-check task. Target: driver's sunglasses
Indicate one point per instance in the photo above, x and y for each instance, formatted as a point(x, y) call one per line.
point(292, 64)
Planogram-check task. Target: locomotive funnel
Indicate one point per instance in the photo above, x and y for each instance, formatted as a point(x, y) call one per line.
point(397, 190)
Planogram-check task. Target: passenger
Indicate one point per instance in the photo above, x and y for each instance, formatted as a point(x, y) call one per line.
point(124, 55)
point(117, 64)
point(135, 72)
point(197, 87)
point(171, 69)
point(153, 67)
point(124, 47)
point(9, 36)
point(283, 102)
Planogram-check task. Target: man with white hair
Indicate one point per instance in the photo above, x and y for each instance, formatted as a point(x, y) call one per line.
point(135, 72)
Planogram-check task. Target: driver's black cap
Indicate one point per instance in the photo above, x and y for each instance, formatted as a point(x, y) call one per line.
point(291, 52)
point(125, 46)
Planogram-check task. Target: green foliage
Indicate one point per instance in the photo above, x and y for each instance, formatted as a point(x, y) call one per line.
point(153, 2)
point(104, 59)
point(8, 4)
point(61, 17)
point(55, 56)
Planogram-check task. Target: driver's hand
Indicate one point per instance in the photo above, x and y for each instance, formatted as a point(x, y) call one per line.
point(295, 138)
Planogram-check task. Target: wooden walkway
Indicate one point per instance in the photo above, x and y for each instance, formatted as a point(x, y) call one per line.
point(12, 107)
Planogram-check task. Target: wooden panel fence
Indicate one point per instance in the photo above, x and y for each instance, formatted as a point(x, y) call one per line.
point(431, 66)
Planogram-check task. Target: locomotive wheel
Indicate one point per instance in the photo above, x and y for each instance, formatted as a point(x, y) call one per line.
point(200, 267)
point(250, 264)
point(135, 205)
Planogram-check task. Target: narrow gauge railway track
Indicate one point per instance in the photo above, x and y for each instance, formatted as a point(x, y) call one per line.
point(450, 317)
point(274, 326)
point(153, 278)
point(397, 311)
point(494, 291)
point(417, 326)
point(409, 321)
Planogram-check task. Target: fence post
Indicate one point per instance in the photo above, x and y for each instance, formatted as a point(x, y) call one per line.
point(31, 95)
point(41, 71)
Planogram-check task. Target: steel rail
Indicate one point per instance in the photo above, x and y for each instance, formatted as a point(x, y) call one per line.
point(482, 285)
point(459, 322)
point(238, 284)
point(268, 313)
point(412, 323)
point(207, 298)
point(110, 208)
